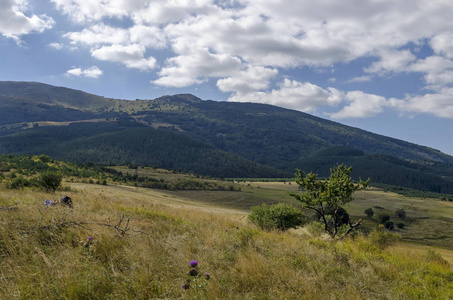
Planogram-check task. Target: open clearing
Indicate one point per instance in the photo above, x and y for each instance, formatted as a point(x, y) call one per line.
point(428, 221)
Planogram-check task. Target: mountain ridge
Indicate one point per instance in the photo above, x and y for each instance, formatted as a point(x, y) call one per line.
point(279, 138)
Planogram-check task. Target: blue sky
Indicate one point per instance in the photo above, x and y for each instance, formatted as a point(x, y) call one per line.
point(385, 66)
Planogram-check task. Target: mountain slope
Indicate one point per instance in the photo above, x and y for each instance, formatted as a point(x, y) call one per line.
point(114, 144)
point(279, 138)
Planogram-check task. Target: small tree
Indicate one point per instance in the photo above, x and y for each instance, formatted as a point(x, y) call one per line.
point(384, 218)
point(400, 213)
point(326, 197)
point(50, 180)
point(369, 212)
point(389, 225)
point(277, 216)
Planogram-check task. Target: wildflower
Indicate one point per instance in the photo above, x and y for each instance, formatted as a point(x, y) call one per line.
point(207, 276)
point(193, 272)
point(186, 285)
point(89, 242)
point(193, 263)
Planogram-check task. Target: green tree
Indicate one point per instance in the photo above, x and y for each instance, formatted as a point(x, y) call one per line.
point(277, 216)
point(369, 212)
point(384, 218)
point(50, 180)
point(326, 197)
point(389, 225)
point(400, 213)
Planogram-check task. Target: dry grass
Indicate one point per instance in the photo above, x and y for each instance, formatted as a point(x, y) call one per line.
point(167, 231)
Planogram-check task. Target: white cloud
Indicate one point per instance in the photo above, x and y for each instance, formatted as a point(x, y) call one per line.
point(365, 78)
point(438, 71)
point(439, 104)
point(254, 78)
point(431, 64)
point(149, 36)
point(82, 11)
point(247, 45)
point(292, 94)
point(132, 56)
point(99, 34)
point(92, 72)
point(196, 67)
point(443, 44)
point(56, 46)
point(391, 61)
point(14, 22)
point(361, 105)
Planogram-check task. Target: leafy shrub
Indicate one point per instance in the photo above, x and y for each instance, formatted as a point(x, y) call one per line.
point(277, 216)
point(400, 225)
point(383, 239)
point(369, 212)
point(316, 228)
point(400, 213)
point(384, 218)
point(50, 180)
point(389, 225)
point(18, 183)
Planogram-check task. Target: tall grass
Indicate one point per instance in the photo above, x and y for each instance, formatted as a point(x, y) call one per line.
point(41, 260)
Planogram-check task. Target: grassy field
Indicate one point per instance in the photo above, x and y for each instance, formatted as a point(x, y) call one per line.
point(144, 239)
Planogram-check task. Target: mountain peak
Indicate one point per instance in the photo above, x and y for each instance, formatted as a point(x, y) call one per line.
point(186, 98)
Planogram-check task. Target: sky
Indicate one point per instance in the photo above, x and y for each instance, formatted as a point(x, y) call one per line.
point(385, 66)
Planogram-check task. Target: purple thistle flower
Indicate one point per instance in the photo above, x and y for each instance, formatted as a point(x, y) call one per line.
point(90, 238)
point(186, 285)
point(193, 263)
point(207, 276)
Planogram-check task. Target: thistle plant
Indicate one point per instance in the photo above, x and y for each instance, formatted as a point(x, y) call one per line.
point(196, 281)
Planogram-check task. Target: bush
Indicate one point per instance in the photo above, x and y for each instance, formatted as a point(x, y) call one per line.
point(277, 216)
point(316, 228)
point(50, 181)
point(369, 212)
point(400, 225)
point(383, 239)
point(384, 218)
point(389, 225)
point(400, 213)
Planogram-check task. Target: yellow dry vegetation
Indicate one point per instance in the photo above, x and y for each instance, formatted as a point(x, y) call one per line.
point(143, 240)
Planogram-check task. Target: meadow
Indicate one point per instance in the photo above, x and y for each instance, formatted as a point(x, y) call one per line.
point(126, 242)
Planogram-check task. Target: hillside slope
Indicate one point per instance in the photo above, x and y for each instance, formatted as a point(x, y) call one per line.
point(268, 135)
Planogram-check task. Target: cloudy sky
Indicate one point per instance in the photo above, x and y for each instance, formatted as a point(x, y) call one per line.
point(385, 66)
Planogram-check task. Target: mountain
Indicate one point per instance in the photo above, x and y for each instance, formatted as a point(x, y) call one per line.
point(37, 118)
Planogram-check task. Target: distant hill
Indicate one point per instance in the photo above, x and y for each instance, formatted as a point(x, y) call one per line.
point(255, 134)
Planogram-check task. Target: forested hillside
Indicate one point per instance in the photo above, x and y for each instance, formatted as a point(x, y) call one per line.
point(131, 143)
point(214, 138)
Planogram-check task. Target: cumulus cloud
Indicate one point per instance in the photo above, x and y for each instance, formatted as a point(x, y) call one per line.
point(56, 46)
point(292, 94)
point(438, 71)
point(361, 105)
point(82, 11)
point(254, 78)
point(443, 44)
point(248, 45)
point(98, 34)
point(439, 104)
point(92, 72)
point(14, 22)
point(391, 61)
point(132, 56)
point(196, 67)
